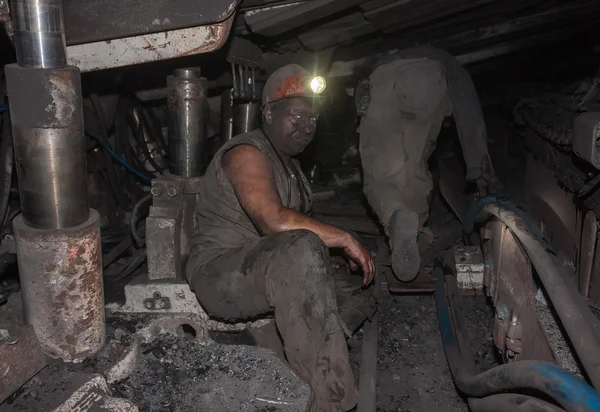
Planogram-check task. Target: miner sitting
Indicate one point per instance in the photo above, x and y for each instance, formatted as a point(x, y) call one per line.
point(256, 250)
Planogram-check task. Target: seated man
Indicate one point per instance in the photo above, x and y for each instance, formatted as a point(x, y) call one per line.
point(403, 103)
point(255, 250)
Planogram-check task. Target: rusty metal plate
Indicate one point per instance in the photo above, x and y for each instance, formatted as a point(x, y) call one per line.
point(553, 207)
point(20, 361)
point(512, 285)
point(89, 21)
point(150, 47)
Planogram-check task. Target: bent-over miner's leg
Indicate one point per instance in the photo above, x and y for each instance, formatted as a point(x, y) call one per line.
point(397, 135)
point(291, 274)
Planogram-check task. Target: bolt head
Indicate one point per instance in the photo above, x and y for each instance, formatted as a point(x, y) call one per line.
point(172, 192)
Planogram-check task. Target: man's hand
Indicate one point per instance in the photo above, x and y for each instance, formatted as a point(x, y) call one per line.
point(488, 183)
point(360, 256)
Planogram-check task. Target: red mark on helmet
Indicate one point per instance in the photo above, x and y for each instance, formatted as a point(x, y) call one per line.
point(289, 86)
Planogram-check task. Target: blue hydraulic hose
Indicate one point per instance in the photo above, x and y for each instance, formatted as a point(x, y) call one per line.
point(571, 392)
point(3, 109)
point(127, 165)
point(476, 207)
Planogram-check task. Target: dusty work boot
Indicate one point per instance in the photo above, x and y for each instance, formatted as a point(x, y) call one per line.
point(403, 230)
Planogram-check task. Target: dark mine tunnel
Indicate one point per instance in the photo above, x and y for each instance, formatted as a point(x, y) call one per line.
point(294, 206)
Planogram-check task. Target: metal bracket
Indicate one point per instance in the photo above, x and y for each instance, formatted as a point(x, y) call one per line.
point(157, 302)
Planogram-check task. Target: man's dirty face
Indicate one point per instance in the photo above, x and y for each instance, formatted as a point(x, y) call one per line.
point(292, 124)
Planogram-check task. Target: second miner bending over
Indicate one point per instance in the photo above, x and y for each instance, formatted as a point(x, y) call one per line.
point(403, 103)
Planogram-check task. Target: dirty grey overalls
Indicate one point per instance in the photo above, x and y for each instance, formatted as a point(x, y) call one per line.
point(411, 92)
point(237, 274)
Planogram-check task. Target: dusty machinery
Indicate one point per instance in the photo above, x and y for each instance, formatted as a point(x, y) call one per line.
point(537, 267)
point(58, 236)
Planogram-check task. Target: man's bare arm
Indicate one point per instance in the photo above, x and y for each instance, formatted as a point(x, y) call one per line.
point(249, 171)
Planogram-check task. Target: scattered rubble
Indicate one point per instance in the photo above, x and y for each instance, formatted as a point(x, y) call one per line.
point(181, 375)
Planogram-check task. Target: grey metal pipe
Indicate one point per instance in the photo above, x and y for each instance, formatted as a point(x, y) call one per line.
point(246, 117)
point(57, 236)
point(575, 315)
point(46, 110)
point(39, 35)
point(61, 281)
point(187, 105)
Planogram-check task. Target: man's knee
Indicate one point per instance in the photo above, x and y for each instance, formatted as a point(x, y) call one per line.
point(299, 245)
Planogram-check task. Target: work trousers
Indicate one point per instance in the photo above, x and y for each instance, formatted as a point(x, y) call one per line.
point(289, 274)
point(398, 133)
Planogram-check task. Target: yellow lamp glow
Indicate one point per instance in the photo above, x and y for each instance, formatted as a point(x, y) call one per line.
point(318, 84)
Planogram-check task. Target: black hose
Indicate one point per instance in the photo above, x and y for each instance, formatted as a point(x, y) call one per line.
point(152, 121)
point(139, 134)
point(6, 164)
point(134, 218)
point(133, 264)
point(566, 389)
point(122, 133)
point(117, 251)
point(113, 179)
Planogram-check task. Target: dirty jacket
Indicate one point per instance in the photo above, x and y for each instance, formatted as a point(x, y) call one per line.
point(220, 221)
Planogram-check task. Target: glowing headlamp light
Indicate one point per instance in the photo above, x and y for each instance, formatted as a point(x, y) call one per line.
point(318, 84)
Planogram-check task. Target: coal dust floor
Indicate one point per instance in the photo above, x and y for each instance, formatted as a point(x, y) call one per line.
point(176, 375)
point(413, 374)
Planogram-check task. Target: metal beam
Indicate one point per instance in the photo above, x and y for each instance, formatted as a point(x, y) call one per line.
point(497, 32)
point(560, 16)
point(375, 4)
point(299, 16)
point(253, 17)
point(338, 31)
point(149, 47)
point(424, 13)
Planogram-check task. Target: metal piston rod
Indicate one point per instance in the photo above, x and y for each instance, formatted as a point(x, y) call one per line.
point(187, 105)
point(57, 236)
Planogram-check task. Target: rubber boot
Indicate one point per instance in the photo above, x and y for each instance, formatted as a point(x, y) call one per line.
point(403, 230)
